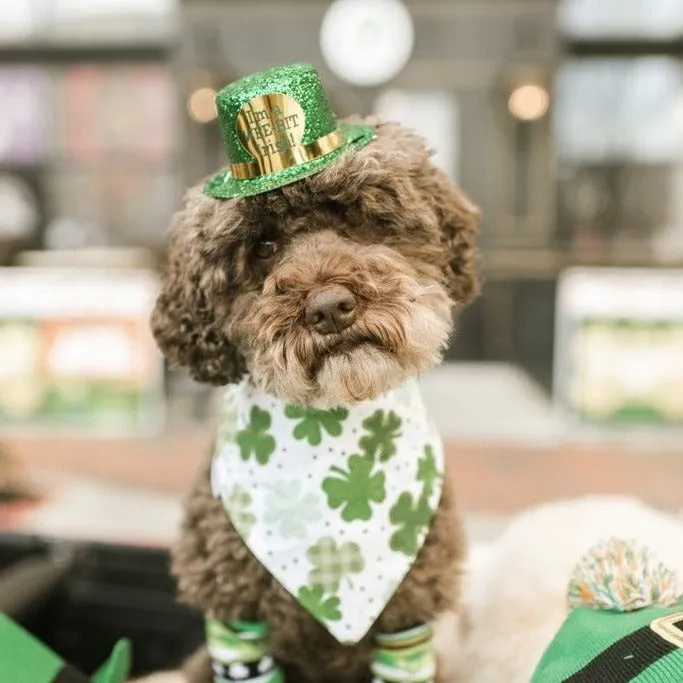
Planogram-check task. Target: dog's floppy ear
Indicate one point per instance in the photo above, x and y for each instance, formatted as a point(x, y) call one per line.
point(402, 150)
point(459, 221)
point(184, 321)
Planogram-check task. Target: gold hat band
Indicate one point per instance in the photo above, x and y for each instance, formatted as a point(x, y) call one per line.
point(274, 160)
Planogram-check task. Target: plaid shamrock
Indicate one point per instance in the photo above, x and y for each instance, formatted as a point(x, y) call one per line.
point(331, 563)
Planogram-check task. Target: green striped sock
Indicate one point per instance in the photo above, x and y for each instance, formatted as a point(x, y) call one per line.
point(240, 652)
point(405, 657)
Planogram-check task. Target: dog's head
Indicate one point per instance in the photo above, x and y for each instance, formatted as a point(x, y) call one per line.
point(327, 291)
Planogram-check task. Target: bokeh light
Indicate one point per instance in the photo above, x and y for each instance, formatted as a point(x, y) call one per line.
point(529, 102)
point(201, 105)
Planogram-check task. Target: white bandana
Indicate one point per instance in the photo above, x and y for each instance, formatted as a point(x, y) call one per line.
point(335, 504)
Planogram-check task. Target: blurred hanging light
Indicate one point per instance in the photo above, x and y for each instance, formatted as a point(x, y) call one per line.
point(529, 102)
point(201, 105)
point(367, 42)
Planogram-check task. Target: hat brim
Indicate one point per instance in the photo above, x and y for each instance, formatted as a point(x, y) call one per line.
point(225, 186)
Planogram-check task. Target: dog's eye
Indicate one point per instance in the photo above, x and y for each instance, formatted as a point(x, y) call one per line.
point(266, 249)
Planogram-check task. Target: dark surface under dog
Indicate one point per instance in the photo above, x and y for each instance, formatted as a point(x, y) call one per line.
point(106, 592)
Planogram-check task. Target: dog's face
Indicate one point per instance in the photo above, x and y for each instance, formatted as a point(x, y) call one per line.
point(327, 291)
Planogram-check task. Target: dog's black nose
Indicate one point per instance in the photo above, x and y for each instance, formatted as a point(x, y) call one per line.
point(330, 310)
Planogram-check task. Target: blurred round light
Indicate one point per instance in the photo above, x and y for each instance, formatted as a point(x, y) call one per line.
point(529, 102)
point(367, 42)
point(201, 105)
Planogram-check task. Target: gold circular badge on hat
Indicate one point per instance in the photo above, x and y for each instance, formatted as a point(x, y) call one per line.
point(271, 128)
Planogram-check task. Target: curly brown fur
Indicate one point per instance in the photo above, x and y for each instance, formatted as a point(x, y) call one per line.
point(383, 222)
point(389, 227)
point(217, 572)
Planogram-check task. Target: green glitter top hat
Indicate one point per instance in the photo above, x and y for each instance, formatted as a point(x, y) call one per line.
point(278, 128)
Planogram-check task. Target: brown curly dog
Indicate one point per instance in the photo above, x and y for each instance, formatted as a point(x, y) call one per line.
point(387, 237)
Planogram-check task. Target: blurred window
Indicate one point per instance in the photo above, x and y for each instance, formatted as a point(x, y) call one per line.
point(115, 152)
point(19, 20)
point(434, 115)
point(23, 124)
point(619, 132)
point(104, 138)
point(646, 19)
point(78, 9)
point(86, 21)
point(116, 110)
point(628, 109)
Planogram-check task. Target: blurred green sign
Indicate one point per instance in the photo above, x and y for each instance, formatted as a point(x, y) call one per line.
point(619, 346)
point(76, 352)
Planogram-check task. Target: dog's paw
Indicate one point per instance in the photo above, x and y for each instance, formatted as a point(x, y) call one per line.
point(166, 677)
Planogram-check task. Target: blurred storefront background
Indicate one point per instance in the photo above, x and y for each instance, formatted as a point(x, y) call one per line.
point(476, 83)
point(563, 119)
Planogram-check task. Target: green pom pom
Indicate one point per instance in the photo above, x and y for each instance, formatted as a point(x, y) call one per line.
point(621, 576)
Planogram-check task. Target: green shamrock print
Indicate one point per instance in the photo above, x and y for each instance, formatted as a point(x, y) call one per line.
point(289, 510)
point(355, 489)
point(427, 471)
point(311, 423)
point(322, 608)
point(412, 519)
point(238, 505)
point(254, 439)
point(383, 430)
point(331, 563)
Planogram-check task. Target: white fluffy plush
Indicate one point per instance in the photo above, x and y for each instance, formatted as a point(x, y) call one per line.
point(515, 593)
point(515, 589)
